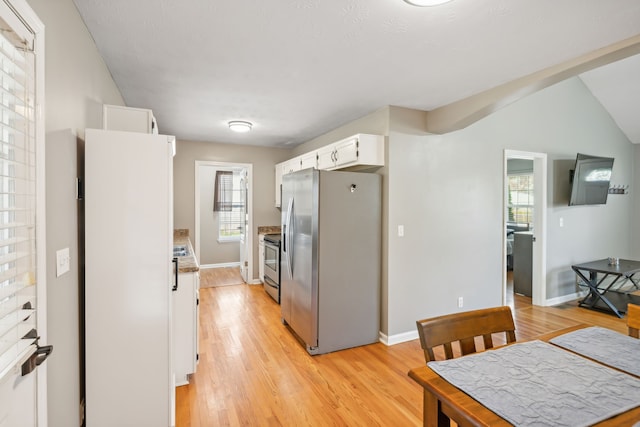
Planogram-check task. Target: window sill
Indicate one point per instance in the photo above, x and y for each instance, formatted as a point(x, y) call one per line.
point(233, 240)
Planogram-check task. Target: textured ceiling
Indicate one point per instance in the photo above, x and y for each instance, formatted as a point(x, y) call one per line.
point(299, 68)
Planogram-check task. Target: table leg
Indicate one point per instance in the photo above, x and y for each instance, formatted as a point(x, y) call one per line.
point(634, 281)
point(433, 416)
point(596, 293)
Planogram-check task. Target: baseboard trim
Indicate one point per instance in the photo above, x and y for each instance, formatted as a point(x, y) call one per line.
point(398, 338)
point(413, 335)
point(565, 298)
point(220, 265)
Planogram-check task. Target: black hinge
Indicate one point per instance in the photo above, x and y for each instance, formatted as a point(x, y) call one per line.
point(198, 356)
point(197, 301)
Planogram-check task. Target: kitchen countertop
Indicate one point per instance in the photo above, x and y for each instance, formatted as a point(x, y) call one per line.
point(268, 229)
point(189, 263)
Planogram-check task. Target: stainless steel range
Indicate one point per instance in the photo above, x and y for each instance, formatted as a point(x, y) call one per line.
point(272, 265)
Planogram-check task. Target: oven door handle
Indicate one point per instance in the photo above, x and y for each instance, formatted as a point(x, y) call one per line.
point(269, 282)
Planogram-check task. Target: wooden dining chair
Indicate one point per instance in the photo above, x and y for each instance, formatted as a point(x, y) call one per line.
point(464, 328)
point(633, 320)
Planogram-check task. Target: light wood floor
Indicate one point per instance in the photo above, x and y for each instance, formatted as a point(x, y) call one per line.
point(253, 372)
point(224, 276)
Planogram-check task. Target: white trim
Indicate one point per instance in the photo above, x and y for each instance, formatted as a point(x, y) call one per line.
point(539, 265)
point(220, 265)
point(249, 235)
point(29, 17)
point(397, 338)
point(566, 298)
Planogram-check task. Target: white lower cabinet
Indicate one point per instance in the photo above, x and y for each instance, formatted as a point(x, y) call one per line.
point(185, 326)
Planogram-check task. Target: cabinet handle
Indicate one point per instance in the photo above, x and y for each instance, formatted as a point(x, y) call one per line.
point(175, 284)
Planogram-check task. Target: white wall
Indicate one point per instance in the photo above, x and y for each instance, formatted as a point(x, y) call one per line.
point(634, 193)
point(77, 82)
point(447, 192)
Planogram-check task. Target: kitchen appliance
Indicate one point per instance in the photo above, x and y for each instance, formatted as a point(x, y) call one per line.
point(272, 265)
point(331, 249)
point(128, 204)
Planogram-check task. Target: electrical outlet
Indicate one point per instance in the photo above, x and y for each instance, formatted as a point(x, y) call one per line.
point(401, 231)
point(460, 302)
point(63, 261)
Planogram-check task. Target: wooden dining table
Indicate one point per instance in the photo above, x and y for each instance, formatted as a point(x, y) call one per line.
point(443, 401)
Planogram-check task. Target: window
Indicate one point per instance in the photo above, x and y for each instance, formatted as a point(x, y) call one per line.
point(17, 198)
point(520, 202)
point(229, 204)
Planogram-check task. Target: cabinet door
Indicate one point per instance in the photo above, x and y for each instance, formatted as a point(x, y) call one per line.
point(185, 327)
point(309, 160)
point(346, 152)
point(326, 157)
point(115, 117)
point(295, 165)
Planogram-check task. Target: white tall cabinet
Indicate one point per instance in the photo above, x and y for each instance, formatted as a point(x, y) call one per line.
point(128, 204)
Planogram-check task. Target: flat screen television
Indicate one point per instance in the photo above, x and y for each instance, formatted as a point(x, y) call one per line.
point(590, 180)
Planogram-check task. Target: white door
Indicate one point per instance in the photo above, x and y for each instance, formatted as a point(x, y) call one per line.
point(244, 241)
point(23, 398)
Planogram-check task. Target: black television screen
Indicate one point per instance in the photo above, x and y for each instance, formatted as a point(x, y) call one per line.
point(590, 180)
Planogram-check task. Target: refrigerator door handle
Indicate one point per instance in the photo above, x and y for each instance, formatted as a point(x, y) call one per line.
point(287, 237)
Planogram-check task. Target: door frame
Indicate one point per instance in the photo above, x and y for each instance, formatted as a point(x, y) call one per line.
point(539, 249)
point(249, 207)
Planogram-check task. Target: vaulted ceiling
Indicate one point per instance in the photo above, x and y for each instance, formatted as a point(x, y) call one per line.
point(299, 68)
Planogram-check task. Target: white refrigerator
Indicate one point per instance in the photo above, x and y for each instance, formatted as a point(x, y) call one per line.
point(129, 276)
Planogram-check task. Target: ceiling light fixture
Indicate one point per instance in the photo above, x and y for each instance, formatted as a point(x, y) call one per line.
point(240, 126)
point(426, 2)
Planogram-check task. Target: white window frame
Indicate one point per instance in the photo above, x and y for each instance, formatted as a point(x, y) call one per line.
point(21, 17)
point(517, 205)
point(236, 190)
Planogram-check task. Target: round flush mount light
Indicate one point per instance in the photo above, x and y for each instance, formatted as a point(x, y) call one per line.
point(240, 126)
point(427, 2)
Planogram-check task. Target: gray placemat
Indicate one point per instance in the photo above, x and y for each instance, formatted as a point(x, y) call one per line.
point(604, 345)
point(536, 384)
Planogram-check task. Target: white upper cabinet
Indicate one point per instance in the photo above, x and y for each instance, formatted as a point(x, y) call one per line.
point(356, 152)
point(116, 117)
point(361, 151)
point(309, 160)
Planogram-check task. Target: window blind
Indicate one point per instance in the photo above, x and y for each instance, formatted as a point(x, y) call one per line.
point(17, 200)
point(223, 191)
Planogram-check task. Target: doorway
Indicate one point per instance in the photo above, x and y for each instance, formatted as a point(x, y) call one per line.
point(526, 218)
point(223, 234)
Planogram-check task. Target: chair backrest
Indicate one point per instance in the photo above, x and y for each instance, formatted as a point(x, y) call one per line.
point(464, 328)
point(633, 320)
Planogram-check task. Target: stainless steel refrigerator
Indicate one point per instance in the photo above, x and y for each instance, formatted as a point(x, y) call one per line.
point(330, 263)
point(129, 275)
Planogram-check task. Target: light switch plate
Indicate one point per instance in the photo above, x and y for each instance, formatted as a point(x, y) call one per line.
point(63, 261)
